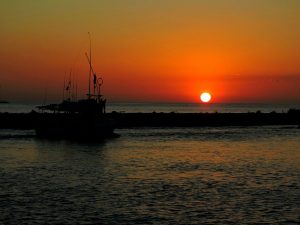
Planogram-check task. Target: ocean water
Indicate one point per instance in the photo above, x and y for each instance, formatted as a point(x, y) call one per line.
point(199, 108)
point(171, 107)
point(228, 175)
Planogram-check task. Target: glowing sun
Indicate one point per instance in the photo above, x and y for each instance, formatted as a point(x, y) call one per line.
point(205, 97)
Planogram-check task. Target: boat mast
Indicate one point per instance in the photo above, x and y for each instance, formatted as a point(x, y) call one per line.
point(90, 74)
point(64, 88)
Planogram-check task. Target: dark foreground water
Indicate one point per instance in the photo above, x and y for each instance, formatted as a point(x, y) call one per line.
point(153, 176)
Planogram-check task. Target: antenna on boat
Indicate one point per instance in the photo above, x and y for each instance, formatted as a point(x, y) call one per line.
point(96, 81)
point(64, 88)
point(90, 61)
point(76, 89)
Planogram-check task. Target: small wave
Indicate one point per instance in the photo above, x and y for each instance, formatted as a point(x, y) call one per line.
point(12, 136)
point(206, 133)
point(16, 134)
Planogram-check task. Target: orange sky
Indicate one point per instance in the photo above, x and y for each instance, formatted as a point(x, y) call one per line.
point(152, 50)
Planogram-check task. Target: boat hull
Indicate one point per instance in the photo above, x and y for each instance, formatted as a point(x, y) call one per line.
point(74, 126)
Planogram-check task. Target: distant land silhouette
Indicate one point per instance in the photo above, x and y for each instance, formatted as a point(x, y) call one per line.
point(2, 101)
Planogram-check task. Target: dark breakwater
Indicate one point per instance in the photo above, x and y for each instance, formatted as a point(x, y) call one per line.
point(129, 120)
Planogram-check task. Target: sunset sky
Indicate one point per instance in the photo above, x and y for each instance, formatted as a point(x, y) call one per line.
point(152, 50)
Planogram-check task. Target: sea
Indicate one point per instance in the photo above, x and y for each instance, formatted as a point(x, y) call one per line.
point(141, 107)
point(201, 175)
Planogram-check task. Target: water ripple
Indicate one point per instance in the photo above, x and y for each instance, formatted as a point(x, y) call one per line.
point(195, 176)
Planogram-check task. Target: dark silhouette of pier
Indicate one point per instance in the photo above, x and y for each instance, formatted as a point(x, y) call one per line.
point(131, 120)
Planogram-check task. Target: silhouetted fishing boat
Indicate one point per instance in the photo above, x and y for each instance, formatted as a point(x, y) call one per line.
point(74, 118)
